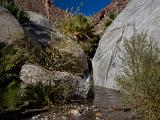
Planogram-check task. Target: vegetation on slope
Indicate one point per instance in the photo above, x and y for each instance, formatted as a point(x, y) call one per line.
point(140, 77)
point(11, 59)
point(81, 30)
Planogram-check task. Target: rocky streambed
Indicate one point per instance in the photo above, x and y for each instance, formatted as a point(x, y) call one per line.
point(105, 106)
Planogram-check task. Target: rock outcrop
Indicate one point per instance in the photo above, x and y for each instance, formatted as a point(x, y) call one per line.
point(142, 16)
point(34, 74)
point(98, 20)
point(37, 6)
point(11, 30)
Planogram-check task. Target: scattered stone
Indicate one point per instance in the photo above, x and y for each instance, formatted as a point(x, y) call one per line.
point(99, 115)
point(75, 112)
point(64, 118)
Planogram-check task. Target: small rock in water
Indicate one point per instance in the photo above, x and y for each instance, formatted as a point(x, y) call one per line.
point(97, 118)
point(34, 118)
point(75, 112)
point(98, 114)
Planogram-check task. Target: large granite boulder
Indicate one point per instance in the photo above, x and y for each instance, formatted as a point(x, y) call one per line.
point(140, 16)
point(11, 30)
point(34, 74)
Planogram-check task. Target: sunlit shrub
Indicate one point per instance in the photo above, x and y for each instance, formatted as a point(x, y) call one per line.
point(110, 18)
point(81, 30)
point(140, 76)
point(78, 26)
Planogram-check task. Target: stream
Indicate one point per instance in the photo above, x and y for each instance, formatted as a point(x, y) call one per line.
point(105, 106)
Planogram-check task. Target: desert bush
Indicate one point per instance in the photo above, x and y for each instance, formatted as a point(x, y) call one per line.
point(19, 14)
point(140, 76)
point(56, 60)
point(10, 97)
point(78, 26)
point(12, 57)
point(110, 18)
point(41, 95)
point(81, 30)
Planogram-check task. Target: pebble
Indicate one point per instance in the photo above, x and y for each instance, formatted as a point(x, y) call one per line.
point(97, 118)
point(64, 118)
point(75, 112)
point(98, 114)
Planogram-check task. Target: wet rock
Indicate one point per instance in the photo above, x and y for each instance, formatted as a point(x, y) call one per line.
point(99, 115)
point(75, 112)
point(64, 118)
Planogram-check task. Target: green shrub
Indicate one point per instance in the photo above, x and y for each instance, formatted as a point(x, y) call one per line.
point(42, 95)
point(78, 26)
point(12, 57)
point(140, 76)
point(19, 14)
point(56, 60)
point(110, 18)
point(81, 30)
point(36, 94)
point(10, 97)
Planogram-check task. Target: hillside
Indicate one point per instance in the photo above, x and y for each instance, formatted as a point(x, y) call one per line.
point(37, 6)
point(99, 18)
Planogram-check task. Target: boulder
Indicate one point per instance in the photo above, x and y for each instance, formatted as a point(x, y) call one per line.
point(39, 19)
point(38, 29)
point(142, 16)
point(72, 47)
point(11, 30)
point(34, 74)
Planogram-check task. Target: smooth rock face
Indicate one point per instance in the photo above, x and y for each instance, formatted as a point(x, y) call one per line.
point(142, 16)
point(10, 29)
point(33, 74)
